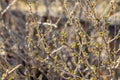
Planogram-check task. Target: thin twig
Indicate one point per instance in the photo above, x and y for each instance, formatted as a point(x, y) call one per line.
point(14, 1)
point(15, 68)
point(48, 24)
point(9, 72)
point(114, 37)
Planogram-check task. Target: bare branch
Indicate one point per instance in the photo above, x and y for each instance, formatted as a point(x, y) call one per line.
point(14, 1)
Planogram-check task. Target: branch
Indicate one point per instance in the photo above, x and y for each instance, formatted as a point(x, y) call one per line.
point(114, 37)
point(48, 24)
point(14, 1)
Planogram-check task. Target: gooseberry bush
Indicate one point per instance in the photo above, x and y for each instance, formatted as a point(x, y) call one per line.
point(73, 40)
